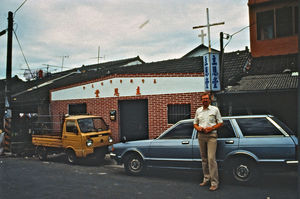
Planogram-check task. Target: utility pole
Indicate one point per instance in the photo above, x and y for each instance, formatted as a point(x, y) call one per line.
point(298, 101)
point(7, 100)
point(9, 45)
point(221, 60)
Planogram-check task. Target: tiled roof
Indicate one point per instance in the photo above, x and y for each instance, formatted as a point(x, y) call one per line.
point(234, 64)
point(266, 82)
point(112, 64)
point(267, 73)
point(183, 65)
point(18, 86)
point(273, 64)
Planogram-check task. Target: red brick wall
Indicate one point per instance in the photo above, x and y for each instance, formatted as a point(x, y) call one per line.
point(157, 109)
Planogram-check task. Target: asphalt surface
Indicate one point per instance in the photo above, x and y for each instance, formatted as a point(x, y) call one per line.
point(24, 178)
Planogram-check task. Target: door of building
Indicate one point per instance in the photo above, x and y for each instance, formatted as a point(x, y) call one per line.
point(134, 119)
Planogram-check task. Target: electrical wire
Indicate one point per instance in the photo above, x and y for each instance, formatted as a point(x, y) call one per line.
point(19, 7)
point(23, 53)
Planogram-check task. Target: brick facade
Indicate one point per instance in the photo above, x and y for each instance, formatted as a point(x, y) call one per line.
point(275, 46)
point(157, 106)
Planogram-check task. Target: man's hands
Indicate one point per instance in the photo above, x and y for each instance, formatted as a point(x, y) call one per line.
point(204, 130)
point(207, 129)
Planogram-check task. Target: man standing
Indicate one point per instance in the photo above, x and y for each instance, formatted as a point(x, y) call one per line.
point(207, 121)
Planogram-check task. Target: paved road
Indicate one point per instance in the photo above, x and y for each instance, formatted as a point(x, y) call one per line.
point(30, 178)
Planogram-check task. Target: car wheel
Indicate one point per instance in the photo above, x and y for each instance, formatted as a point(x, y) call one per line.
point(41, 153)
point(243, 170)
point(71, 156)
point(134, 164)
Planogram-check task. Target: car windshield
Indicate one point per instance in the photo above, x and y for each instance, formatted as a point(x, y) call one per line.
point(92, 125)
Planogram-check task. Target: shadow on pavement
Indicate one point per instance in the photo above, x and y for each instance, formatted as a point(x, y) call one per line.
point(282, 180)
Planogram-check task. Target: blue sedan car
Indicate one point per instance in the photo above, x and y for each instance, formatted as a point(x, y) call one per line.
point(245, 143)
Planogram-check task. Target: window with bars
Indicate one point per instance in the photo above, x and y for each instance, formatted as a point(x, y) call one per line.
point(77, 109)
point(178, 112)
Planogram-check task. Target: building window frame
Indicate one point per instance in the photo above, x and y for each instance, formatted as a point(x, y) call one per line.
point(272, 23)
point(177, 112)
point(77, 109)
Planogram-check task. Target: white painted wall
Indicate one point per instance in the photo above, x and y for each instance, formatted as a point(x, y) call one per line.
point(106, 88)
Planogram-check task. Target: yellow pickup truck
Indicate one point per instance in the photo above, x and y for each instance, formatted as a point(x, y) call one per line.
point(82, 136)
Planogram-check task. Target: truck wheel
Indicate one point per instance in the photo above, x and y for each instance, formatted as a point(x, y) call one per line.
point(243, 170)
point(71, 156)
point(41, 153)
point(134, 164)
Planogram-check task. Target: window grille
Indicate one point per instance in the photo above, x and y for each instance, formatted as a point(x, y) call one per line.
point(77, 109)
point(178, 112)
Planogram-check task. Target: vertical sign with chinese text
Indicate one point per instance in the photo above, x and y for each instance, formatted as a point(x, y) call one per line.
point(211, 76)
point(206, 72)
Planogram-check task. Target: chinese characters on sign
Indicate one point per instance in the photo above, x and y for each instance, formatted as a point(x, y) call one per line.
point(211, 76)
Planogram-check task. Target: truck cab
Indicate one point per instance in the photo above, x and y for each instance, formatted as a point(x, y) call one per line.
point(85, 135)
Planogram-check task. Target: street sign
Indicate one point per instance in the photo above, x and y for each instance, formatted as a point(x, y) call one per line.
point(211, 75)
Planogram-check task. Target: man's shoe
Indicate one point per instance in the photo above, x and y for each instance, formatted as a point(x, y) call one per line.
point(204, 184)
point(213, 188)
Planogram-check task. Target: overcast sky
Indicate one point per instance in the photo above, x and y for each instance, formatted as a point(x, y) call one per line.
point(155, 30)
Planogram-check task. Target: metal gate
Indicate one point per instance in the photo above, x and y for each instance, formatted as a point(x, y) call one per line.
point(134, 119)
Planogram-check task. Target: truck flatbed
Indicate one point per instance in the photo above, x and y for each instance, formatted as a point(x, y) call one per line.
point(47, 140)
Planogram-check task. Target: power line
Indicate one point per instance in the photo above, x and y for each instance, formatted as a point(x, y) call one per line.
point(239, 31)
point(19, 7)
point(23, 53)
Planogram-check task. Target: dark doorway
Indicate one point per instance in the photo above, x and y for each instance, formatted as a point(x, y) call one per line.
point(134, 119)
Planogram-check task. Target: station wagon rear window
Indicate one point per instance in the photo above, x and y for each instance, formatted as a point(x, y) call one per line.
point(258, 127)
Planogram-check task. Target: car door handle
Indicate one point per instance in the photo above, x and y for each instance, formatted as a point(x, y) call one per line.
point(229, 141)
point(185, 142)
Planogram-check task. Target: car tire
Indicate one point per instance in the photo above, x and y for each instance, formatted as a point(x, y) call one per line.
point(134, 164)
point(71, 156)
point(41, 153)
point(243, 170)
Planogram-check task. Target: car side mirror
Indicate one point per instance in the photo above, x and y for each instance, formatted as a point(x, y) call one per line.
point(123, 139)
